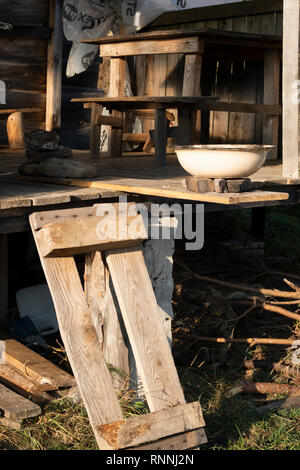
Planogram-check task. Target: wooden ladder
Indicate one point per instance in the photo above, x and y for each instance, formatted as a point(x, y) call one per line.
point(59, 236)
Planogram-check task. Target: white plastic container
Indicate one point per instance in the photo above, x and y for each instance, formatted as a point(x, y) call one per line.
point(36, 303)
point(222, 161)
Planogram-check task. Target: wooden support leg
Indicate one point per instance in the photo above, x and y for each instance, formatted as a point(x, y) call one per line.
point(15, 131)
point(95, 131)
point(141, 317)
point(81, 342)
point(3, 281)
point(271, 96)
point(184, 127)
point(160, 136)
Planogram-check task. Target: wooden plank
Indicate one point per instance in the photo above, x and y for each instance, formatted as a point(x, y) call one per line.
point(219, 122)
point(244, 84)
point(163, 46)
point(110, 121)
point(22, 384)
point(6, 109)
point(95, 131)
point(153, 426)
point(116, 88)
point(183, 441)
point(16, 407)
point(81, 342)
point(209, 34)
point(290, 97)
point(141, 317)
point(3, 280)
point(106, 317)
point(272, 70)
point(251, 108)
point(43, 372)
point(94, 233)
point(54, 67)
point(170, 190)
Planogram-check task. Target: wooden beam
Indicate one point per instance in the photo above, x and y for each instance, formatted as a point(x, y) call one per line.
point(81, 342)
point(85, 234)
point(153, 426)
point(16, 407)
point(162, 46)
point(3, 281)
point(291, 29)
point(272, 70)
point(154, 361)
point(54, 67)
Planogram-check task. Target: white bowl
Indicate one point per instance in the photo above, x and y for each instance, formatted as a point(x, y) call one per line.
point(222, 161)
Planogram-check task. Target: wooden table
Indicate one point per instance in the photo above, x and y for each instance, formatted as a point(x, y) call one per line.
point(194, 44)
point(186, 115)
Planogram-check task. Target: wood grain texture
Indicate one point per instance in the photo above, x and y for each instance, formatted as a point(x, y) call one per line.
point(290, 138)
point(183, 441)
point(272, 71)
point(153, 426)
point(162, 46)
point(46, 375)
point(81, 342)
point(140, 313)
point(93, 233)
point(15, 131)
point(3, 280)
point(106, 317)
point(16, 407)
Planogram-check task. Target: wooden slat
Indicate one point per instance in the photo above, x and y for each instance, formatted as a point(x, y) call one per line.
point(81, 342)
point(43, 372)
point(54, 67)
point(141, 317)
point(3, 280)
point(22, 384)
point(251, 108)
point(83, 235)
point(272, 70)
point(7, 109)
point(153, 426)
point(162, 46)
point(183, 441)
point(211, 34)
point(290, 115)
point(173, 190)
point(116, 88)
point(16, 407)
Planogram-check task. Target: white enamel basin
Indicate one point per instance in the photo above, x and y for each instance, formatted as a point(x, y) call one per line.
point(222, 161)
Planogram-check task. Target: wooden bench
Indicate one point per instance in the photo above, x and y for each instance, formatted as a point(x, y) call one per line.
point(15, 124)
point(193, 44)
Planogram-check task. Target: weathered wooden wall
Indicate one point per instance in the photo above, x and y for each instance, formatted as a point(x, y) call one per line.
point(239, 80)
point(23, 57)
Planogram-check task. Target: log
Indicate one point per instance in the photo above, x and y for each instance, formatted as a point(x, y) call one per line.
point(291, 402)
point(15, 131)
point(265, 388)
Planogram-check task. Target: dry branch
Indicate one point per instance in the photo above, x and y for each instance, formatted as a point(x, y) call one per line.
point(285, 342)
point(242, 287)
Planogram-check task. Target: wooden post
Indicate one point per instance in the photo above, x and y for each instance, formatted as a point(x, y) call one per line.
point(271, 96)
point(191, 85)
point(160, 136)
point(15, 131)
point(3, 281)
point(117, 87)
point(54, 67)
point(290, 97)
